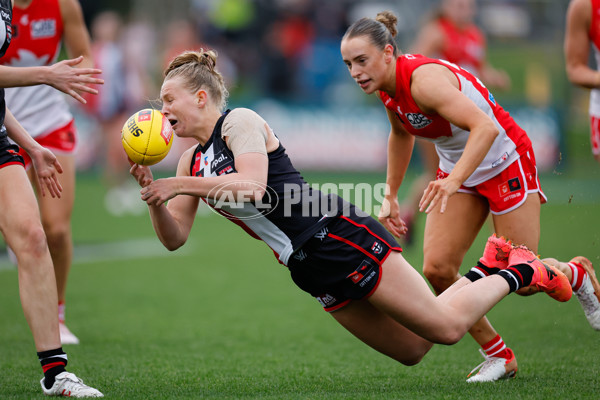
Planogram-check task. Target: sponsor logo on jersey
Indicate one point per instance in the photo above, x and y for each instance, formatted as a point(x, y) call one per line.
point(363, 274)
point(512, 185)
point(300, 255)
point(417, 120)
point(326, 300)
point(491, 98)
point(377, 248)
point(499, 161)
point(321, 234)
point(219, 163)
point(43, 28)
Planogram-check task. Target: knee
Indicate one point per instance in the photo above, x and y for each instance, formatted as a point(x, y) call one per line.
point(447, 336)
point(57, 232)
point(414, 356)
point(440, 274)
point(30, 239)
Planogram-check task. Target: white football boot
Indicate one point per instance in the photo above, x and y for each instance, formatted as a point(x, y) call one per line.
point(493, 369)
point(68, 385)
point(66, 336)
point(589, 293)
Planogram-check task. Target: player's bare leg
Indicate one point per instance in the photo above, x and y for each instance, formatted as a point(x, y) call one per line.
point(403, 317)
point(56, 220)
point(448, 237)
point(23, 232)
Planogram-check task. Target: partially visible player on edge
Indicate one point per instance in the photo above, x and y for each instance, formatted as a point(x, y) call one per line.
point(337, 253)
point(20, 220)
point(583, 32)
point(40, 26)
point(486, 165)
point(452, 35)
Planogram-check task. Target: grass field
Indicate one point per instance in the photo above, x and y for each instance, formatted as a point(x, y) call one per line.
point(221, 319)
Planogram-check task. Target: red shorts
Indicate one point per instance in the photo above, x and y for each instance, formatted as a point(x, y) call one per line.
point(509, 189)
point(595, 134)
point(59, 141)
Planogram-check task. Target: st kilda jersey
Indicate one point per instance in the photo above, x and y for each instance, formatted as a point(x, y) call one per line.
point(289, 213)
point(5, 37)
point(36, 41)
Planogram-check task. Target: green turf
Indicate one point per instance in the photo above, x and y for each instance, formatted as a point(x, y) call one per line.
point(221, 319)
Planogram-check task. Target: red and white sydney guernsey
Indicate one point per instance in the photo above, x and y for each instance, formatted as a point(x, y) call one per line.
point(595, 39)
point(37, 34)
point(450, 140)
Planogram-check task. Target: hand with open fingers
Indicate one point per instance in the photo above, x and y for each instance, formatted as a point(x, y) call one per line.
point(438, 191)
point(47, 169)
point(159, 191)
point(389, 216)
point(65, 77)
point(141, 173)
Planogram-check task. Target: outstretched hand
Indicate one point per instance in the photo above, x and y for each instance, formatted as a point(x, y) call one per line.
point(438, 191)
point(46, 168)
point(70, 80)
point(389, 216)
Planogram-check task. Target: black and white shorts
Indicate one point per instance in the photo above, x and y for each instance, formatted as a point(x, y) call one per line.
point(342, 262)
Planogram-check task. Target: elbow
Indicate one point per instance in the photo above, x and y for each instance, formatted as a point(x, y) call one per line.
point(493, 131)
point(172, 245)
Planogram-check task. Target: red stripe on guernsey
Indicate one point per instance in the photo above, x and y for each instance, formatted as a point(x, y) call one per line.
point(357, 247)
point(370, 231)
point(52, 365)
point(235, 220)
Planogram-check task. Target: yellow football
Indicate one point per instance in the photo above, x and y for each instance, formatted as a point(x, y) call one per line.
point(147, 137)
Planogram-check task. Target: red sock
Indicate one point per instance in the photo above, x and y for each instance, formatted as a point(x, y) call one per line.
point(61, 312)
point(578, 275)
point(497, 348)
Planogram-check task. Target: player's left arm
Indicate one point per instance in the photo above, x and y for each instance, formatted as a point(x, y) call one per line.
point(577, 45)
point(435, 89)
point(75, 34)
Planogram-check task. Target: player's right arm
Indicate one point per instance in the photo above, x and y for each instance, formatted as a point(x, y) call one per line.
point(400, 147)
point(172, 221)
point(577, 45)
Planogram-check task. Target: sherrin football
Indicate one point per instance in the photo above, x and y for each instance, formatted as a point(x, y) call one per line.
point(147, 137)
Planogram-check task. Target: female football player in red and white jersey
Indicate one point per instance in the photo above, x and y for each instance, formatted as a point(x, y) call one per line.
point(450, 34)
point(582, 33)
point(486, 165)
point(39, 28)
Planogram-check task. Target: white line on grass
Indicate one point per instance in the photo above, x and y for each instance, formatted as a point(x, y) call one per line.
point(115, 251)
